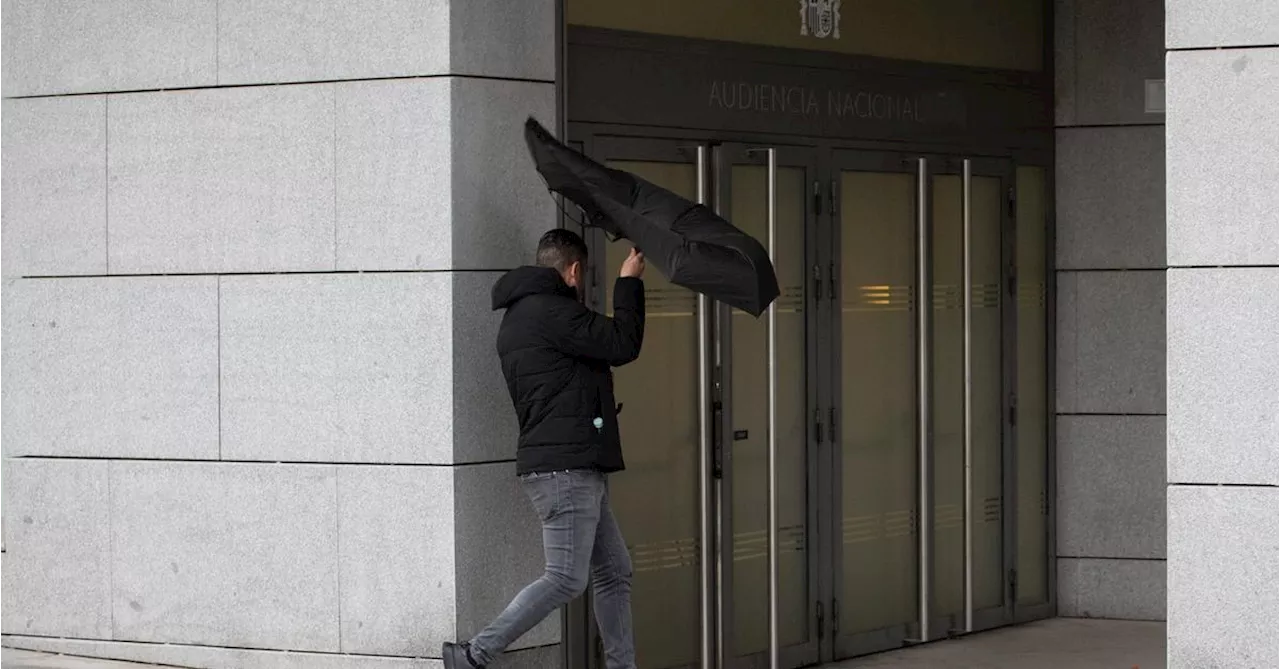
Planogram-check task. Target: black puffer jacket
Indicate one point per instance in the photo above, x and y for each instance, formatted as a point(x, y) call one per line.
point(556, 356)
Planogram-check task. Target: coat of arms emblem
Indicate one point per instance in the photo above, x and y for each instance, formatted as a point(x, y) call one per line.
point(820, 18)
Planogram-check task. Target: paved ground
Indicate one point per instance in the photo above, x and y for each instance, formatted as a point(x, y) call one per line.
point(1061, 643)
point(1049, 644)
point(19, 659)
point(24, 659)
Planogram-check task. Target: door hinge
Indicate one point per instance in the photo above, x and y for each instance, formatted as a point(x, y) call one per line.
point(1013, 203)
point(817, 283)
point(831, 197)
point(1013, 584)
point(835, 617)
point(820, 621)
point(831, 422)
point(1013, 410)
point(817, 425)
point(831, 279)
point(817, 198)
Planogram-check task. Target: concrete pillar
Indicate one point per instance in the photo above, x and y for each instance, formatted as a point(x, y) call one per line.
point(252, 412)
point(1110, 316)
point(1222, 333)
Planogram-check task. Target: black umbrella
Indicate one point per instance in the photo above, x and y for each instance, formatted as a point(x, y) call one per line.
point(688, 243)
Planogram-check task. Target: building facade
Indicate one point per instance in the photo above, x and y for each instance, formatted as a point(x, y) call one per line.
point(253, 417)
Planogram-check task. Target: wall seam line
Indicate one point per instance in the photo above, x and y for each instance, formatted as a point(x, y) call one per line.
point(1107, 415)
point(268, 273)
point(111, 552)
point(1104, 126)
point(312, 463)
point(106, 182)
point(1192, 484)
point(333, 90)
point(337, 553)
point(1126, 559)
point(1233, 47)
point(1086, 270)
point(218, 318)
point(217, 42)
point(271, 651)
point(266, 84)
point(1075, 65)
point(1209, 267)
point(457, 550)
point(1075, 339)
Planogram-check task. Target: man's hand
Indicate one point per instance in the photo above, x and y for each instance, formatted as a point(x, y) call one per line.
point(633, 266)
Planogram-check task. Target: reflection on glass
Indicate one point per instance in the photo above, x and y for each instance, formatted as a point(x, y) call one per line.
point(948, 393)
point(749, 393)
point(1032, 429)
point(877, 349)
point(656, 498)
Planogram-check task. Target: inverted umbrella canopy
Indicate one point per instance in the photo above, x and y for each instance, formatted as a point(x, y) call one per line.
point(688, 243)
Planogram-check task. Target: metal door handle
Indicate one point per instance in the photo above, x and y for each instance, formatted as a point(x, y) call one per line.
point(967, 269)
point(706, 468)
point(772, 348)
point(924, 300)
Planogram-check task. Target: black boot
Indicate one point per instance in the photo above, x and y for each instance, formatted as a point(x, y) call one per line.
point(458, 656)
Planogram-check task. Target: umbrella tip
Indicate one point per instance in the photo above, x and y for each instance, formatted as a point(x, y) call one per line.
point(531, 124)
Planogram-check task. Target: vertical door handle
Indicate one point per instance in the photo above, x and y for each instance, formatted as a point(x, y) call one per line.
point(966, 268)
point(772, 348)
point(706, 465)
point(924, 307)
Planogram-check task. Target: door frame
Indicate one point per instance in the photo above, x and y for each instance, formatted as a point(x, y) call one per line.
point(844, 646)
point(1043, 160)
point(823, 160)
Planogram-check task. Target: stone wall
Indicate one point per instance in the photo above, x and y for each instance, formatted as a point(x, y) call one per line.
point(1110, 205)
point(249, 389)
point(1222, 332)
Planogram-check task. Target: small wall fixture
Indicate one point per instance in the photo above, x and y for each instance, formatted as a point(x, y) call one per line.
point(1154, 98)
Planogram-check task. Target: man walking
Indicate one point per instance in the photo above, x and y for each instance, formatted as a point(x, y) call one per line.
point(557, 357)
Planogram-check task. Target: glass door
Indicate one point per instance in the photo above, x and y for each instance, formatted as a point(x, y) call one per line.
point(910, 484)
point(1033, 577)
point(874, 451)
point(657, 499)
point(971, 560)
point(693, 502)
point(921, 453)
point(748, 193)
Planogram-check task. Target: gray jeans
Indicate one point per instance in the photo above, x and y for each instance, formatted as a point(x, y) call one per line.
point(582, 544)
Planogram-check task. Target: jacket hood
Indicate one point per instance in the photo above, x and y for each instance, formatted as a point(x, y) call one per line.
point(522, 282)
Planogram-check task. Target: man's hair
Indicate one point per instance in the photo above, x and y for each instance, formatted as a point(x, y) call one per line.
point(560, 248)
